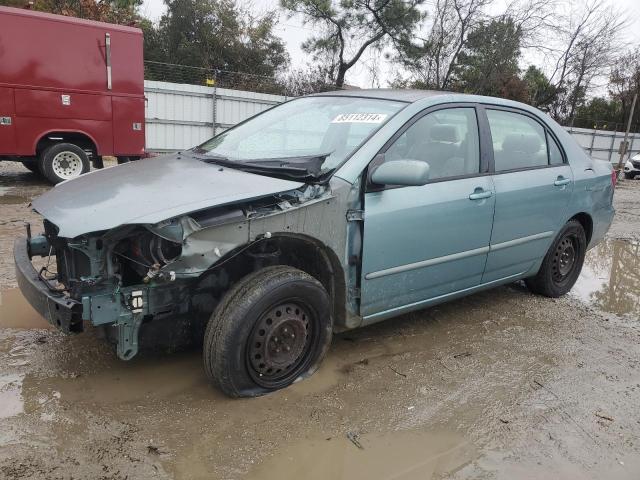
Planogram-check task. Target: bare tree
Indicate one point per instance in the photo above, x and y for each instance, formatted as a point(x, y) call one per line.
point(430, 59)
point(347, 29)
point(587, 45)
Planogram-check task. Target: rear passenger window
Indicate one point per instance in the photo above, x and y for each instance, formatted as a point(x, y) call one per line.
point(518, 141)
point(555, 155)
point(446, 139)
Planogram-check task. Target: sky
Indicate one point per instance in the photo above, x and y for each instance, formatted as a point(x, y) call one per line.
point(294, 32)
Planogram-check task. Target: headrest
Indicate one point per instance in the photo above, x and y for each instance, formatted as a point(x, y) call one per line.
point(443, 133)
point(520, 142)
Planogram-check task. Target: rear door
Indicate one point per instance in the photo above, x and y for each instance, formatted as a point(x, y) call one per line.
point(7, 122)
point(128, 126)
point(425, 242)
point(533, 184)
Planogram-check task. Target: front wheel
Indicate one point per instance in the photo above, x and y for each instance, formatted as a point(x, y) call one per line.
point(272, 328)
point(629, 175)
point(63, 161)
point(562, 263)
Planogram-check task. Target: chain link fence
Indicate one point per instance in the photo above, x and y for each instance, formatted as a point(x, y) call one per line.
point(599, 124)
point(290, 86)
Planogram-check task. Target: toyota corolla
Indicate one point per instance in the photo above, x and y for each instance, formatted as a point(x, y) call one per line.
point(326, 213)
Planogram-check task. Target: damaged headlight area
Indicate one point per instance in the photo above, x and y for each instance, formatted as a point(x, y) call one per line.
point(141, 257)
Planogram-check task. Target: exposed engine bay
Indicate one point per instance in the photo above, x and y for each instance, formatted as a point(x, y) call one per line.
point(134, 274)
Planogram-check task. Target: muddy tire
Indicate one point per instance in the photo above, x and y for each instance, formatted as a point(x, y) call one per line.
point(63, 161)
point(562, 263)
point(270, 329)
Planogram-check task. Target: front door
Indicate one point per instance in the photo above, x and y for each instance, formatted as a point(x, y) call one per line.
point(424, 242)
point(7, 122)
point(533, 185)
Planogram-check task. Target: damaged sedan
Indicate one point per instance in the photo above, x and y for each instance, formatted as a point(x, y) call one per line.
point(326, 213)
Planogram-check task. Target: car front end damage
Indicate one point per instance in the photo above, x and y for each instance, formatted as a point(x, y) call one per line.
point(127, 276)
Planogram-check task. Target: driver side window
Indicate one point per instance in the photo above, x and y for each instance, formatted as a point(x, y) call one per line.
point(446, 139)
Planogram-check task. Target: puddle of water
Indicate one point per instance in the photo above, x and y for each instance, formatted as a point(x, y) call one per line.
point(610, 278)
point(15, 312)
point(11, 402)
point(6, 199)
point(402, 455)
point(12, 200)
point(117, 382)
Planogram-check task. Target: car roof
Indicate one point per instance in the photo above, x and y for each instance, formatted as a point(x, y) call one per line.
point(402, 95)
point(435, 96)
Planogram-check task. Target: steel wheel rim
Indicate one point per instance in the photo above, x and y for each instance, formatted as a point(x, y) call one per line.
point(565, 258)
point(67, 165)
point(280, 344)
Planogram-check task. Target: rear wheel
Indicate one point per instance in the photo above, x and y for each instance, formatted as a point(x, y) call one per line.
point(271, 328)
point(63, 161)
point(562, 263)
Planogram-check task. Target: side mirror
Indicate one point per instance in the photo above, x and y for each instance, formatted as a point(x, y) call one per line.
point(410, 173)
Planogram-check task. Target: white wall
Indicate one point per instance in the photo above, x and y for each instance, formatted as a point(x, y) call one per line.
point(180, 116)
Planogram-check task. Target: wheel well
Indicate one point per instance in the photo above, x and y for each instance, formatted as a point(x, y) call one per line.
point(586, 222)
point(80, 139)
point(298, 251)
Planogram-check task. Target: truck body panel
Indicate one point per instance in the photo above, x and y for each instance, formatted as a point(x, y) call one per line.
point(54, 72)
point(7, 123)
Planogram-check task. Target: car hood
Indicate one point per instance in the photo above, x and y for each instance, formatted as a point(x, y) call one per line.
point(149, 191)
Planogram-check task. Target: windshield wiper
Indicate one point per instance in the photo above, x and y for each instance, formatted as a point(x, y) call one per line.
point(306, 168)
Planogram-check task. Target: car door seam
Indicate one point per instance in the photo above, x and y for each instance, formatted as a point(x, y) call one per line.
point(426, 263)
point(520, 241)
point(456, 256)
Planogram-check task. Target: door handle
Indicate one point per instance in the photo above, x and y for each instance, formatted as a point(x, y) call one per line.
point(479, 194)
point(107, 51)
point(562, 181)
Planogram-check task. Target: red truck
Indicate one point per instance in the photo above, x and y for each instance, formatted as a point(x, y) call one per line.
point(71, 92)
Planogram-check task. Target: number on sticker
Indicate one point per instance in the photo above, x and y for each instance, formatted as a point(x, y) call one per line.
point(360, 118)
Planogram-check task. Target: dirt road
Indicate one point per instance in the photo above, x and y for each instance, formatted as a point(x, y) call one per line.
point(502, 384)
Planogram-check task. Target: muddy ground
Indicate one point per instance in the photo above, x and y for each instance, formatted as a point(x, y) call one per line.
point(502, 384)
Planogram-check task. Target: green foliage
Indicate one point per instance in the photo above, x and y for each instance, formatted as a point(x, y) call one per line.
point(216, 34)
point(601, 113)
point(488, 63)
point(541, 92)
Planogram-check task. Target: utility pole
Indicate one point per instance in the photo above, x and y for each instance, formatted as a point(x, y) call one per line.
point(624, 146)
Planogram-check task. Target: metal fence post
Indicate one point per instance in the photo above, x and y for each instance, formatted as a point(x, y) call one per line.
point(626, 133)
point(613, 142)
point(215, 101)
point(593, 140)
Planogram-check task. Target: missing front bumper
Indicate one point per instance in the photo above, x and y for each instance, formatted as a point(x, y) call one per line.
point(57, 308)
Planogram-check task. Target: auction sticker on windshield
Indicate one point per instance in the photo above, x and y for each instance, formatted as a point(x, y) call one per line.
point(360, 118)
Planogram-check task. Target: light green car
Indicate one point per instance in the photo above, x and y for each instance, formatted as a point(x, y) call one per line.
point(323, 214)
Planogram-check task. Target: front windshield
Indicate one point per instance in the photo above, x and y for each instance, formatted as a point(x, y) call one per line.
point(327, 127)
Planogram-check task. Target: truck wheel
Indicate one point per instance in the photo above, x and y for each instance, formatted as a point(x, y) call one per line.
point(562, 263)
point(270, 329)
point(63, 161)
